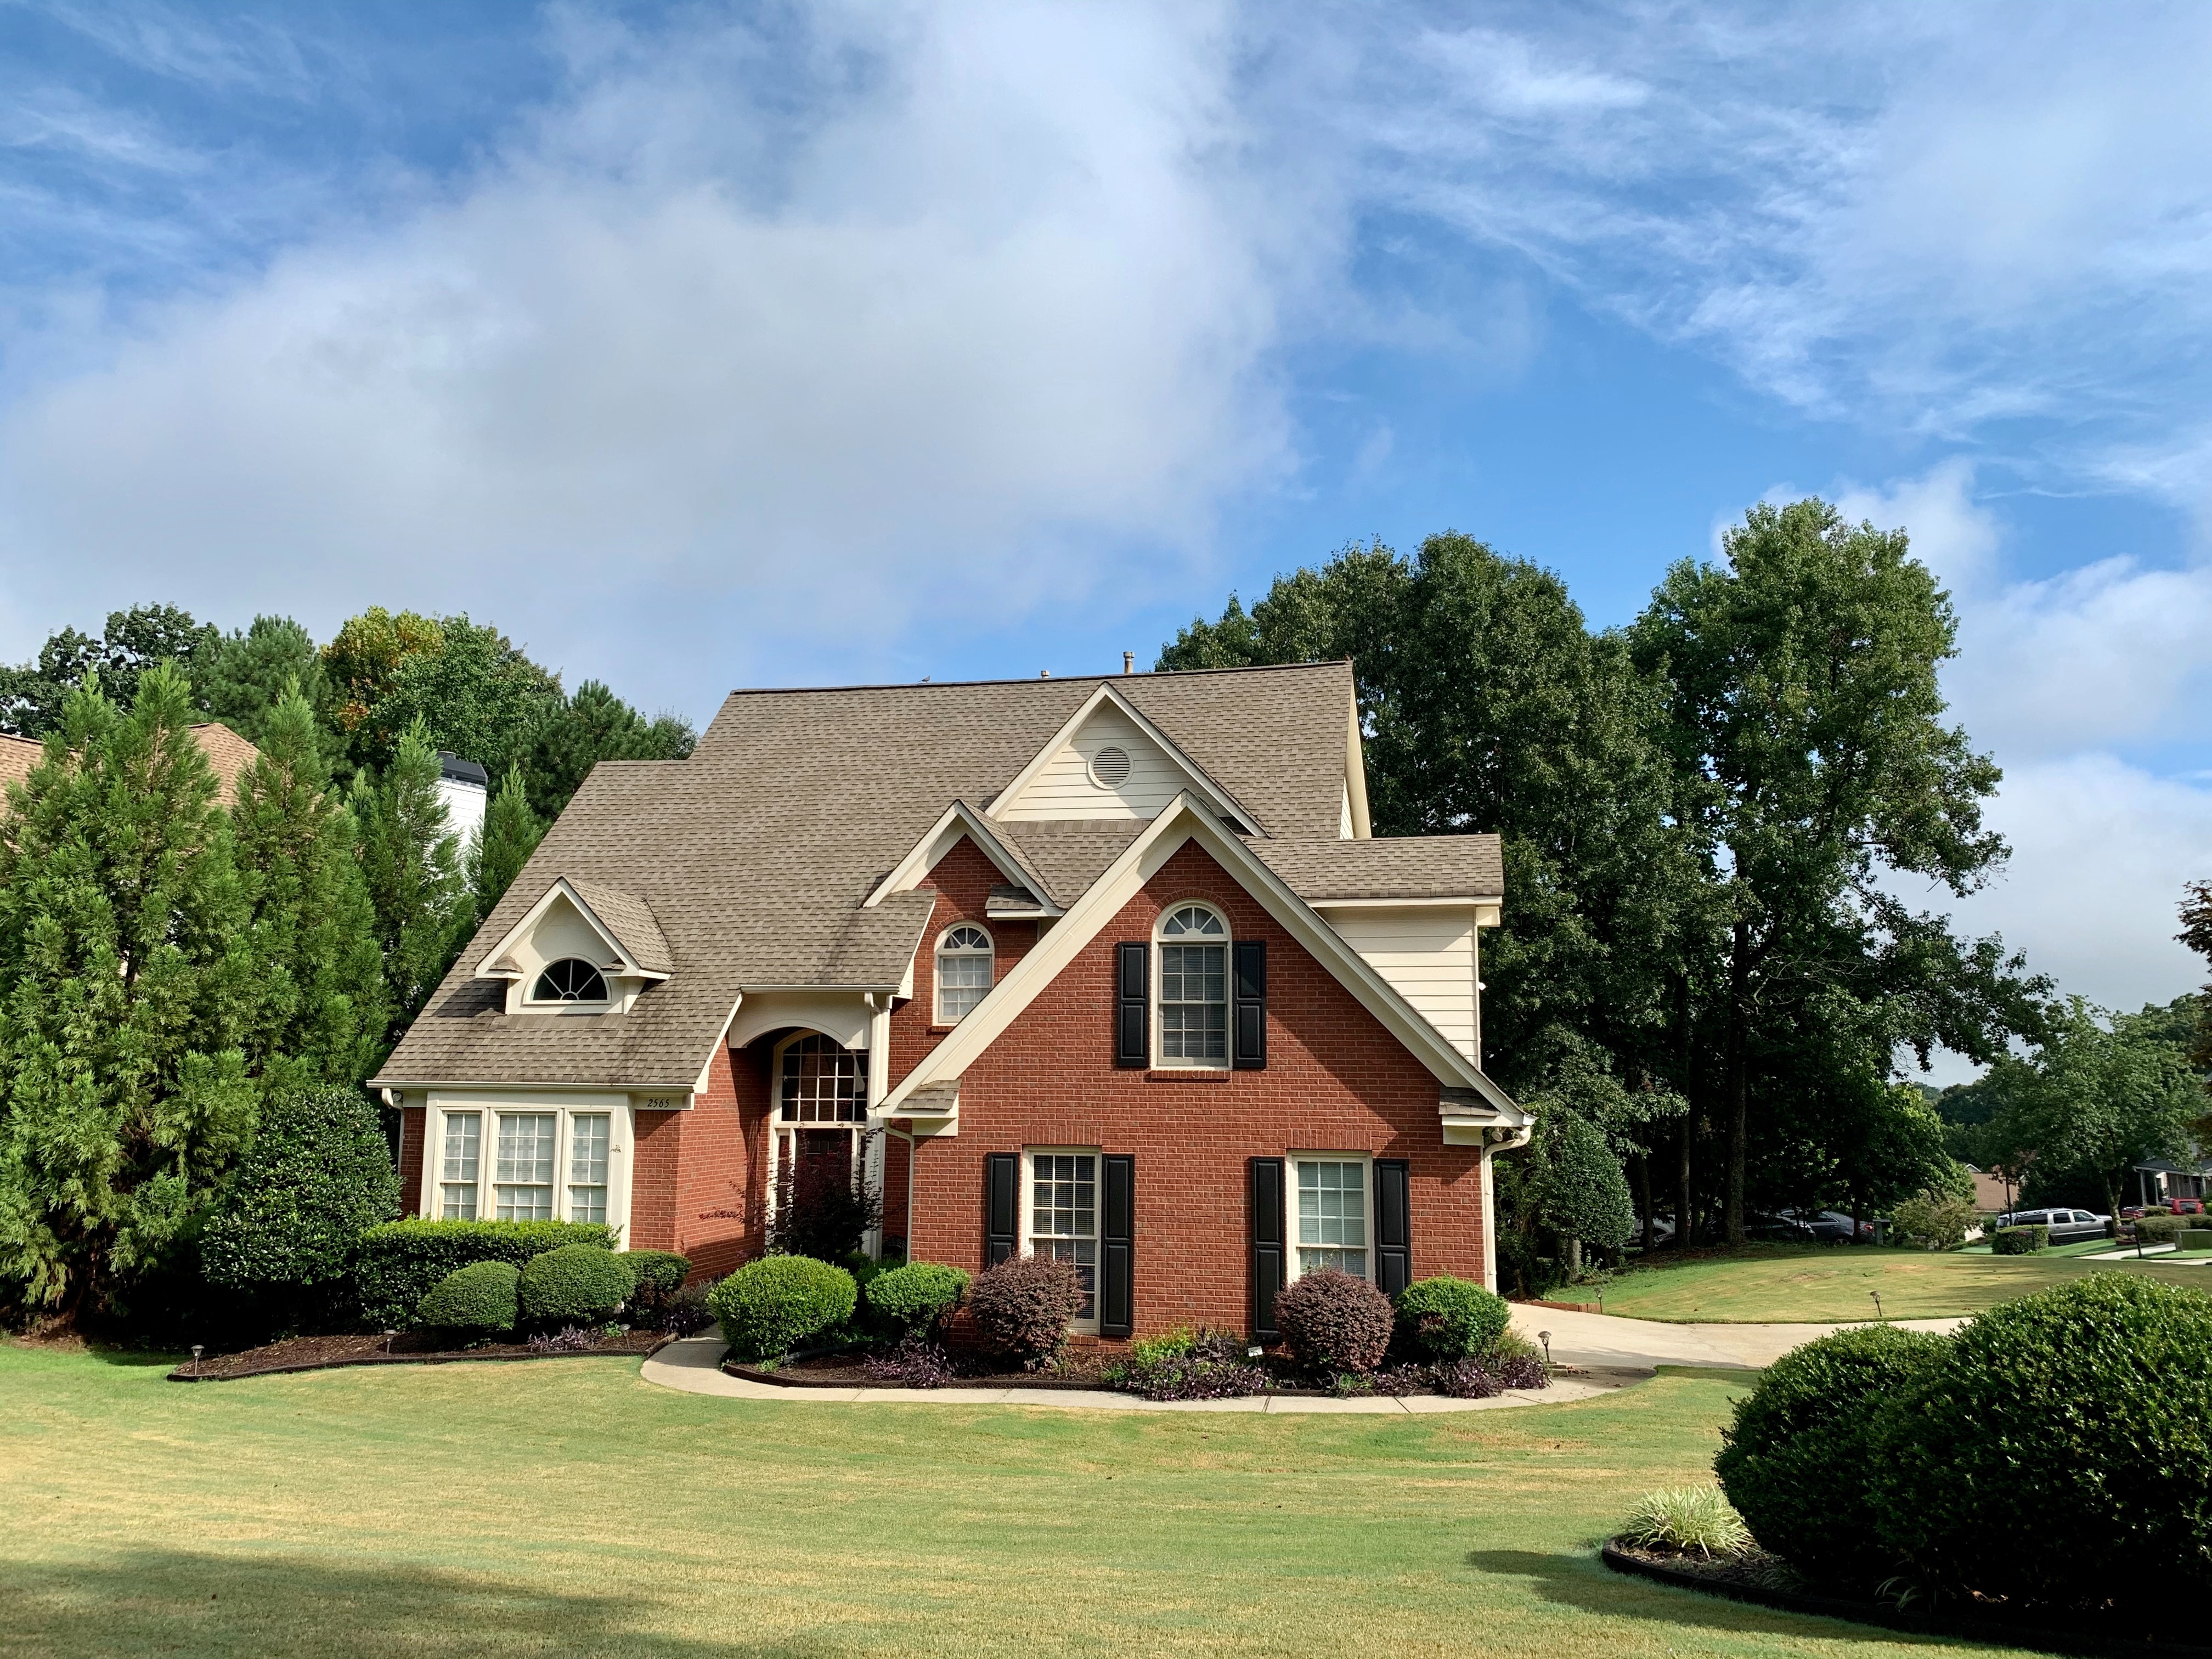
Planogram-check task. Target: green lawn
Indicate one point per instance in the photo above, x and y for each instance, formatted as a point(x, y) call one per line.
point(567, 1507)
point(1820, 1283)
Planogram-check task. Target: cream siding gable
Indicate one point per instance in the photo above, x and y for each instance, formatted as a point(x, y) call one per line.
point(1345, 831)
point(1068, 787)
point(1426, 954)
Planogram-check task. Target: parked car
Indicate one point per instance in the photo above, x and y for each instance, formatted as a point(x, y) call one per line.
point(1779, 1227)
point(2066, 1226)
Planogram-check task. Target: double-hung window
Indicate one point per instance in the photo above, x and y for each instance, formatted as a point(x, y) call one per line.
point(1193, 988)
point(458, 1163)
point(1063, 1220)
point(525, 1163)
point(1328, 1215)
point(964, 972)
point(522, 1181)
point(587, 1166)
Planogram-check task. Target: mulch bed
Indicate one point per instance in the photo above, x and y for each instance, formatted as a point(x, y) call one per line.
point(849, 1370)
point(1762, 1581)
point(316, 1354)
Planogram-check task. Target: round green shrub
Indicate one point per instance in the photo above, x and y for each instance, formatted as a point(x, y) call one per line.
point(2059, 1457)
point(770, 1306)
point(660, 1274)
point(2158, 1229)
point(317, 1177)
point(1022, 1307)
point(575, 1285)
point(917, 1295)
point(2019, 1241)
point(479, 1300)
point(1335, 1322)
point(1795, 1462)
point(1448, 1318)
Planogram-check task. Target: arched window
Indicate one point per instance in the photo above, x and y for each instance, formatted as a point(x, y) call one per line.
point(964, 972)
point(1194, 991)
point(572, 979)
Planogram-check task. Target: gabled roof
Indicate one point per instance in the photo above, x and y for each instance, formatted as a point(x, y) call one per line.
point(624, 920)
point(1396, 867)
point(757, 854)
point(227, 753)
point(962, 821)
point(1195, 776)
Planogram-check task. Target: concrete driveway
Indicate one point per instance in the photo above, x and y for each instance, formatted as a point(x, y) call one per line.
point(1607, 1342)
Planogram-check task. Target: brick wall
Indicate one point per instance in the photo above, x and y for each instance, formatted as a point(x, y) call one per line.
point(964, 878)
point(412, 1129)
point(1336, 1080)
point(693, 1181)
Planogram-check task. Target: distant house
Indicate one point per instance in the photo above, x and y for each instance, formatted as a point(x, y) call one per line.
point(1993, 1193)
point(1110, 969)
point(227, 752)
point(465, 789)
point(2160, 1180)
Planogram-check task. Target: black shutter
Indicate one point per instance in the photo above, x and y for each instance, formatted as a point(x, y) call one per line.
point(1393, 1227)
point(1266, 1191)
point(1132, 996)
point(1002, 1180)
point(1251, 1005)
point(1117, 1240)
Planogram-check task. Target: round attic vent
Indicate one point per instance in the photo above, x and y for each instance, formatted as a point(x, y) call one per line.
point(1110, 767)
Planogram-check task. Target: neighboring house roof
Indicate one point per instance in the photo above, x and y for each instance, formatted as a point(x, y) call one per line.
point(757, 855)
point(1409, 867)
point(227, 752)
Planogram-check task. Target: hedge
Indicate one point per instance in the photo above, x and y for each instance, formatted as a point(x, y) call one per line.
point(768, 1307)
point(397, 1262)
point(575, 1285)
point(1448, 1318)
point(1795, 1460)
point(479, 1299)
point(2159, 1229)
point(2019, 1241)
point(917, 1295)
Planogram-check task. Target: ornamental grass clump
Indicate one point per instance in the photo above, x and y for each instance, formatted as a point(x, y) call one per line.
point(1446, 1318)
point(1334, 1322)
point(1797, 1460)
point(575, 1285)
point(1022, 1307)
point(768, 1307)
point(1687, 1521)
point(917, 1297)
point(475, 1302)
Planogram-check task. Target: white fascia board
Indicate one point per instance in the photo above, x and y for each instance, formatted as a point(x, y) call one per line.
point(1355, 776)
point(625, 964)
point(1446, 901)
point(959, 820)
point(1202, 783)
point(1186, 820)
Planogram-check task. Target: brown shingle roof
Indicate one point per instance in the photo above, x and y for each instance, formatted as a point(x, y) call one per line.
point(1410, 866)
point(630, 919)
point(227, 752)
point(754, 855)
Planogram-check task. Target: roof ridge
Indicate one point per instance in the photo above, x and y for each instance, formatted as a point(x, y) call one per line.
point(1071, 679)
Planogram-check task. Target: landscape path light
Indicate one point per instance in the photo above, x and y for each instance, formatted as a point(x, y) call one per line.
point(198, 1349)
point(1545, 1337)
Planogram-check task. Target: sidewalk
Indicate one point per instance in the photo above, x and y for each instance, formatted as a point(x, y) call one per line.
point(1607, 1339)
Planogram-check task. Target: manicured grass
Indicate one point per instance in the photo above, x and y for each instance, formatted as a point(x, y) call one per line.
point(1766, 1284)
point(567, 1507)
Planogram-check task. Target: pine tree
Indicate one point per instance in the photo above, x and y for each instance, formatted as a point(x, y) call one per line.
point(412, 860)
point(324, 1011)
point(510, 834)
point(132, 989)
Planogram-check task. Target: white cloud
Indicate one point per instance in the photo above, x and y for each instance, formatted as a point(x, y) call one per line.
point(993, 313)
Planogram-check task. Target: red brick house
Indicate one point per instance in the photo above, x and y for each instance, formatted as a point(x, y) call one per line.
point(1108, 969)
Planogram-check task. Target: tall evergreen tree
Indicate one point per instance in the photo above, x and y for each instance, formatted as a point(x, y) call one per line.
point(424, 906)
point(132, 989)
point(510, 834)
point(325, 1012)
point(595, 724)
point(244, 675)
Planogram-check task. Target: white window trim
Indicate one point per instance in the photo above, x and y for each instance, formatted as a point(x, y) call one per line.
point(1292, 1269)
point(606, 978)
point(937, 974)
point(1160, 1061)
point(620, 1129)
point(1028, 1206)
point(868, 1167)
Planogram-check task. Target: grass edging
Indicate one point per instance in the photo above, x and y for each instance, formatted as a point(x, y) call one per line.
point(1995, 1630)
point(460, 1357)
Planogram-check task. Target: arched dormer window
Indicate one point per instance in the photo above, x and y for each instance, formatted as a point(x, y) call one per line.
point(572, 979)
point(964, 972)
point(1194, 987)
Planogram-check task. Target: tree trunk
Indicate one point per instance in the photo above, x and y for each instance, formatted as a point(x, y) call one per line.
point(1857, 1206)
point(1644, 1192)
point(1684, 1216)
point(1574, 1259)
point(1739, 1077)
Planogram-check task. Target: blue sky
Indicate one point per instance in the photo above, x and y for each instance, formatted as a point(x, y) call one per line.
point(702, 346)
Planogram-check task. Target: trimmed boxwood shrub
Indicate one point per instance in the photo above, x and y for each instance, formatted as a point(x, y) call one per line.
point(918, 1295)
point(1794, 1462)
point(660, 1275)
point(477, 1300)
point(2059, 1457)
point(1447, 1318)
point(575, 1285)
point(1022, 1307)
point(768, 1307)
point(2019, 1241)
point(1335, 1322)
point(2158, 1229)
point(396, 1263)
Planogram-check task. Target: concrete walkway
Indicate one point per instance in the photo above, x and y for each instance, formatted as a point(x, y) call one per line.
point(1611, 1354)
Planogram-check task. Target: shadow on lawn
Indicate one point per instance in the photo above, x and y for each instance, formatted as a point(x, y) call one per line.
point(1585, 1581)
point(176, 1602)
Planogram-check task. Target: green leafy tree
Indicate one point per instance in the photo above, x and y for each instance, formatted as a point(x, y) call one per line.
point(510, 834)
point(1580, 1194)
point(593, 726)
point(244, 675)
point(1805, 724)
point(33, 697)
point(474, 695)
point(132, 989)
point(424, 906)
point(324, 1014)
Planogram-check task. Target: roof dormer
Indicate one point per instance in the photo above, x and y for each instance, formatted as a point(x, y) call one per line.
point(1110, 761)
point(584, 948)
